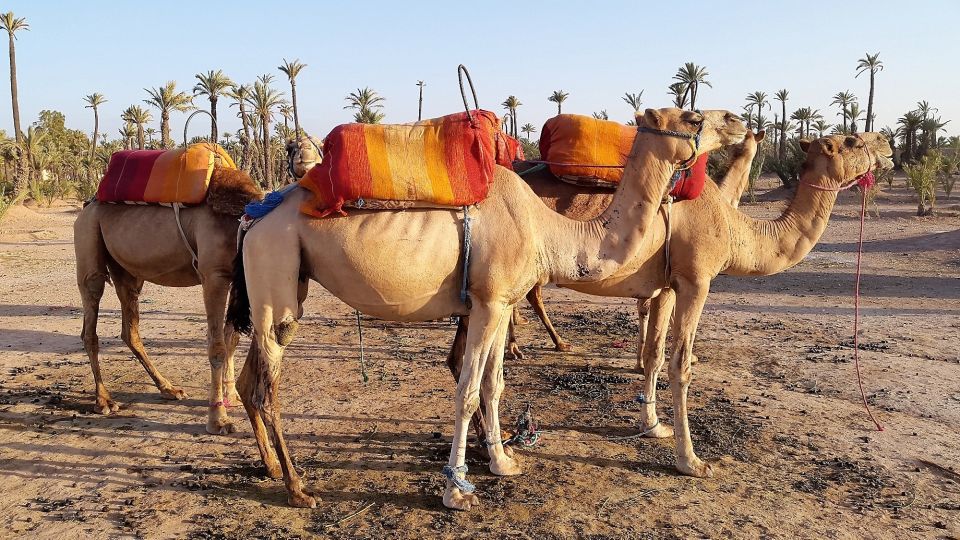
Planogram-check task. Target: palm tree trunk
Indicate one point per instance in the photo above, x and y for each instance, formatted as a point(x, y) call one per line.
point(296, 113)
point(869, 124)
point(267, 162)
point(19, 182)
point(213, 119)
point(165, 129)
point(140, 140)
point(782, 151)
point(420, 106)
point(246, 143)
point(558, 108)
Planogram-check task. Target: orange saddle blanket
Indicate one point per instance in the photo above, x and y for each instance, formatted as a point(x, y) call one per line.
point(180, 176)
point(587, 151)
point(446, 161)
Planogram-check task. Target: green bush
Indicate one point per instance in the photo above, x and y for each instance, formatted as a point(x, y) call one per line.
point(922, 178)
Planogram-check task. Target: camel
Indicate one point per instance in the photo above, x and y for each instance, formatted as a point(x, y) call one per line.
point(303, 154)
point(563, 198)
point(408, 266)
point(710, 237)
point(131, 244)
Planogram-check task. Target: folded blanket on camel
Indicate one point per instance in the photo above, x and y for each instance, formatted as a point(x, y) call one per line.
point(574, 145)
point(447, 161)
point(181, 175)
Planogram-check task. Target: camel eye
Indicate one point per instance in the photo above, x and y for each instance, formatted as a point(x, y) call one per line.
point(695, 121)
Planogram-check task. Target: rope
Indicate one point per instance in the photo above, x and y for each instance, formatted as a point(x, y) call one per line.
point(193, 254)
point(363, 363)
point(458, 475)
point(666, 242)
point(464, 294)
point(856, 310)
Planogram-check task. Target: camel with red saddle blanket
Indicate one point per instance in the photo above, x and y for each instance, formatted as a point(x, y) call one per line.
point(409, 266)
point(151, 240)
point(709, 236)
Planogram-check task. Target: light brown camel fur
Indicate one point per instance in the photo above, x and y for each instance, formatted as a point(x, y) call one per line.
point(131, 244)
point(303, 154)
point(407, 266)
point(710, 237)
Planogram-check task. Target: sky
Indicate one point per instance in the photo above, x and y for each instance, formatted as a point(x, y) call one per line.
point(594, 50)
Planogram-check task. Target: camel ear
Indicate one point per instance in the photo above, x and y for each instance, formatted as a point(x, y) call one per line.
point(652, 118)
point(760, 135)
point(805, 144)
point(828, 148)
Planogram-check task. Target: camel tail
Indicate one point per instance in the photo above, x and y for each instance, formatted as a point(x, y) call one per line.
point(238, 307)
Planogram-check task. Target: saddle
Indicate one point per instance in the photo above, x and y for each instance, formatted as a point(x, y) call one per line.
point(178, 176)
point(445, 162)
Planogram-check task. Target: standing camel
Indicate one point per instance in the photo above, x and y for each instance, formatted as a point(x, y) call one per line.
point(131, 244)
point(709, 237)
point(406, 266)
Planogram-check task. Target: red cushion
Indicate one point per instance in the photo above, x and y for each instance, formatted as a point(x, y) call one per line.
point(691, 182)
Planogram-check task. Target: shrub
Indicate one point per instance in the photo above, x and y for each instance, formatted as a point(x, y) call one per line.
point(950, 167)
point(922, 178)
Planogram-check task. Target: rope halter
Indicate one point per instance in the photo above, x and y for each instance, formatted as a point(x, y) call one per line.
point(865, 180)
point(692, 138)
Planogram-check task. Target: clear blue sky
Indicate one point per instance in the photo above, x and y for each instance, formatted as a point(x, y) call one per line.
point(596, 51)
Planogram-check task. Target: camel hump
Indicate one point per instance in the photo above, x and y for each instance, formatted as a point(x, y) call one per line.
point(230, 190)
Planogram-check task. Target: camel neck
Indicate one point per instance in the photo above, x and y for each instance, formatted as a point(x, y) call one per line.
point(737, 178)
point(594, 250)
point(764, 247)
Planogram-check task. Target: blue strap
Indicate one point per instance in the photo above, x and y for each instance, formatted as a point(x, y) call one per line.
point(466, 254)
point(258, 209)
point(458, 475)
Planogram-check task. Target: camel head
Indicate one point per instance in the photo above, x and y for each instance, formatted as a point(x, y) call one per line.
point(843, 158)
point(717, 128)
point(303, 154)
point(749, 146)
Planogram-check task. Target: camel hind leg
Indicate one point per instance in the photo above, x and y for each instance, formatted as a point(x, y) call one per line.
point(92, 275)
point(128, 290)
point(219, 353)
point(535, 297)
point(654, 321)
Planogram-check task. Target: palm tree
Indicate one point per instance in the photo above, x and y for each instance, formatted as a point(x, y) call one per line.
point(930, 127)
point(139, 117)
point(822, 127)
point(909, 124)
point(150, 133)
point(420, 85)
point(677, 90)
point(10, 23)
point(633, 100)
point(286, 111)
point(263, 100)
point(602, 115)
point(757, 99)
point(128, 133)
point(528, 128)
point(854, 113)
point(691, 76)
point(558, 97)
point(782, 96)
point(166, 98)
point(239, 93)
point(804, 116)
point(871, 63)
point(511, 104)
point(844, 99)
point(213, 84)
point(365, 101)
point(292, 69)
point(94, 101)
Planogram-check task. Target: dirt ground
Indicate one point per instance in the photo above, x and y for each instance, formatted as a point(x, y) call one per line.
point(774, 403)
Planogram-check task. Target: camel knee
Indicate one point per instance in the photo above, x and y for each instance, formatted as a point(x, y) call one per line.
point(285, 330)
point(470, 401)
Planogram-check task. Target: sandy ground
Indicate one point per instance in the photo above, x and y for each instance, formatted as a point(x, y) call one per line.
point(774, 403)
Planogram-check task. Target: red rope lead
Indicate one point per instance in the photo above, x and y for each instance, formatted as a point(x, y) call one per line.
point(865, 184)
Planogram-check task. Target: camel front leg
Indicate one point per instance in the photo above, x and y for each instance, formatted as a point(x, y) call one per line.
point(691, 297)
point(502, 460)
point(215, 291)
point(535, 297)
point(128, 291)
point(246, 385)
point(654, 320)
point(485, 321)
point(231, 338)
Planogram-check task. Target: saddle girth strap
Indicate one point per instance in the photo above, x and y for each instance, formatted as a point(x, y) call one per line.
point(183, 236)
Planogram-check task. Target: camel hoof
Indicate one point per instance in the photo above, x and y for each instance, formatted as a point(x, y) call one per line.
point(662, 431)
point(696, 467)
point(514, 352)
point(563, 346)
point(220, 426)
point(505, 466)
point(105, 406)
point(301, 500)
point(457, 500)
point(693, 359)
point(173, 393)
point(519, 320)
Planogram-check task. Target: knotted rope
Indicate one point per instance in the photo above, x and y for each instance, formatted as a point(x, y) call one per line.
point(458, 475)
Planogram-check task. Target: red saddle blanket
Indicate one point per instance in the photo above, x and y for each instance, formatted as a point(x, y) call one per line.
point(587, 151)
point(180, 176)
point(446, 161)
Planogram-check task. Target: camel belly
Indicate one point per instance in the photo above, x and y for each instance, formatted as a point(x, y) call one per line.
point(403, 266)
